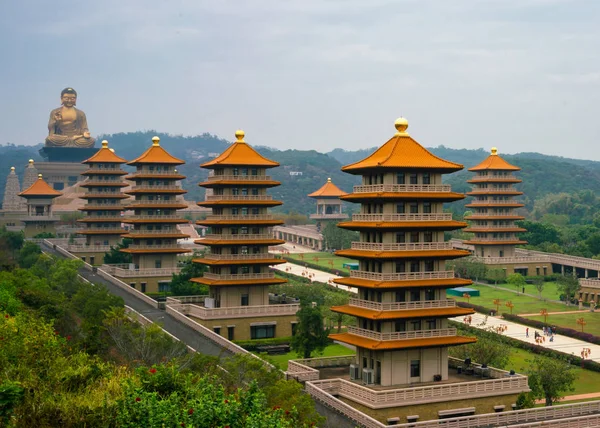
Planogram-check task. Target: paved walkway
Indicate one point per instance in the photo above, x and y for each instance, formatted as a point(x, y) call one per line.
point(313, 275)
point(574, 397)
point(561, 343)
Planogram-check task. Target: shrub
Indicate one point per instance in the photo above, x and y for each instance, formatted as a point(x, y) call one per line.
point(477, 308)
point(250, 345)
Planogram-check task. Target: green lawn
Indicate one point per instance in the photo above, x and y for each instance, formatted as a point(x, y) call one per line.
point(523, 304)
point(331, 351)
point(322, 259)
point(570, 321)
point(587, 381)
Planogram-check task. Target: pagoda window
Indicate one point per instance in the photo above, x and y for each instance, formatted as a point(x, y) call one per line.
point(245, 269)
point(235, 191)
point(254, 171)
point(414, 236)
point(235, 171)
point(428, 236)
point(415, 368)
point(244, 210)
point(255, 230)
point(244, 249)
point(413, 208)
point(234, 211)
point(157, 264)
point(501, 253)
point(255, 211)
point(399, 326)
point(245, 191)
point(428, 265)
point(244, 300)
point(255, 250)
point(218, 192)
point(400, 237)
point(244, 171)
point(233, 270)
point(427, 207)
point(415, 295)
point(400, 296)
point(426, 178)
point(400, 179)
point(400, 208)
point(151, 168)
point(429, 294)
point(400, 267)
point(431, 324)
point(244, 230)
point(234, 230)
point(416, 325)
point(254, 191)
point(415, 266)
point(255, 269)
point(413, 179)
point(234, 250)
point(218, 211)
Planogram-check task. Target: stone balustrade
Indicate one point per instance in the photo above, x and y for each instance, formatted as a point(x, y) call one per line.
point(402, 217)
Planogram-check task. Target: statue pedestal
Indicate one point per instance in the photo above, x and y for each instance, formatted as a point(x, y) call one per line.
point(63, 165)
point(67, 154)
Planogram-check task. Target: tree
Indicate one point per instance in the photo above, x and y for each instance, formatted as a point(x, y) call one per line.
point(475, 270)
point(568, 285)
point(496, 275)
point(333, 298)
point(337, 238)
point(181, 284)
point(538, 283)
point(29, 255)
point(516, 280)
point(550, 378)
point(491, 350)
point(114, 256)
point(310, 334)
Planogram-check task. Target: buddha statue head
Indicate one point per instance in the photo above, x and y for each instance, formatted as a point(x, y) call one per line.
point(68, 97)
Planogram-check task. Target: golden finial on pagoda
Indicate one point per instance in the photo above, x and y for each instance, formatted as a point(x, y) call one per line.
point(12, 168)
point(401, 125)
point(494, 151)
point(155, 141)
point(104, 144)
point(112, 150)
point(30, 161)
point(329, 180)
point(39, 176)
point(239, 134)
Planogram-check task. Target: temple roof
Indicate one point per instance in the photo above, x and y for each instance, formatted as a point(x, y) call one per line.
point(156, 154)
point(401, 151)
point(494, 161)
point(328, 190)
point(240, 153)
point(105, 155)
point(40, 188)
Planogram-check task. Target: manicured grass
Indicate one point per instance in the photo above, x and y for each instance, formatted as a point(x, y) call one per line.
point(523, 304)
point(331, 351)
point(570, 321)
point(587, 380)
point(322, 259)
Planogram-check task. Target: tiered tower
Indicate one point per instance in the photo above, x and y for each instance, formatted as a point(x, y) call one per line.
point(40, 218)
point(238, 262)
point(329, 205)
point(12, 201)
point(493, 219)
point(30, 176)
point(102, 222)
point(154, 249)
point(402, 334)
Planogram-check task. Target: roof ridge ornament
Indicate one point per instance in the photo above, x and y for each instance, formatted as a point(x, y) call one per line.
point(494, 151)
point(401, 125)
point(239, 135)
point(155, 141)
point(104, 144)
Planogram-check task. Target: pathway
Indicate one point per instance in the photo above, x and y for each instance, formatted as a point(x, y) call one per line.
point(313, 274)
point(555, 313)
point(574, 397)
point(561, 343)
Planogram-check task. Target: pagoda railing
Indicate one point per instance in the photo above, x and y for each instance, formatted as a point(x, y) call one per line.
point(124, 272)
point(156, 187)
point(241, 217)
point(240, 311)
point(147, 172)
point(401, 188)
point(155, 247)
point(401, 306)
point(239, 237)
point(371, 246)
point(239, 178)
point(495, 202)
point(155, 217)
point(173, 231)
point(239, 198)
point(234, 277)
point(404, 335)
point(136, 202)
point(234, 257)
point(402, 217)
point(411, 276)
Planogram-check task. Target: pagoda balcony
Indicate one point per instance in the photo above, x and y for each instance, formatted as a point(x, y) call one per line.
point(136, 202)
point(154, 232)
point(147, 188)
point(495, 202)
point(106, 195)
point(104, 229)
point(487, 239)
point(155, 217)
point(147, 172)
point(101, 171)
point(402, 335)
point(239, 198)
point(401, 188)
point(90, 182)
point(239, 277)
point(402, 217)
point(82, 248)
point(498, 226)
point(522, 259)
point(257, 256)
point(425, 246)
point(101, 219)
point(336, 216)
point(240, 217)
point(203, 313)
point(99, 206)
point(590, 283)
point(217, 178)
point(401, 306)
point(173, 246)
point(489, 178)
point(410, 276)
point(123, 271)
point(240, 237)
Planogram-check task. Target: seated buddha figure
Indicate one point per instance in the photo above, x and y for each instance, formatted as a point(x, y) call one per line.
point(67, 125)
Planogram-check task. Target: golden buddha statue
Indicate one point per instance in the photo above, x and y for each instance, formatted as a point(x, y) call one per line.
point(67, 125)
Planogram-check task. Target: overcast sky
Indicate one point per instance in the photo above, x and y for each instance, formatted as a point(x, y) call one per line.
point(523, 75)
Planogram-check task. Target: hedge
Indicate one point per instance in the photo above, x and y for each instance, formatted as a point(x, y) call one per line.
point(586, 337)
point(477, 308)
point(250, 345)
point(315, 266)
point(536, 349)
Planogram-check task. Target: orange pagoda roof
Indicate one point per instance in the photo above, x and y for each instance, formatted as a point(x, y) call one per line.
point(374, 344)
point(328, 190)
point(494, 161)
point(105, 155)
point(401, 151)
point(156, 154)
point(40, 188)
point(240, 153)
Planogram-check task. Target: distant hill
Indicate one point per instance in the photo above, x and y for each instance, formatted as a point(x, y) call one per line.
point(541, 174)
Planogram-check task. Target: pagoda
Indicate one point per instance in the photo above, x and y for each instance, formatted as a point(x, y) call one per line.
point(238, 262)
point(12, 202)
point(154, 232)
point(39, 218)
point(402, 334)
point(329, 205)
point(31, 175)
point(493, 218)
point(102, 222)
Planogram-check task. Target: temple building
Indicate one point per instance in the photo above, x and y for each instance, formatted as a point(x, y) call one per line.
point(238, 262)
point(154, 233)
point(493, 218)
point(329, 205)
point(402, 371)
point(39, 217)
point(104, 205)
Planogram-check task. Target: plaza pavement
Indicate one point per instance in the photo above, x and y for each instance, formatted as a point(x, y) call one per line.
point(313, 275)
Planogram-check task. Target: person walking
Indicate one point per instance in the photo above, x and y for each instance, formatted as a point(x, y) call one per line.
point(527, 332)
